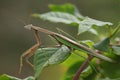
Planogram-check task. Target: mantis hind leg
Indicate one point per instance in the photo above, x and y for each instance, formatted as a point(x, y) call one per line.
point(27, 54)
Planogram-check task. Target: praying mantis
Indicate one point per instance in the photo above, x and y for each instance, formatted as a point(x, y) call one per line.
point(61, 40)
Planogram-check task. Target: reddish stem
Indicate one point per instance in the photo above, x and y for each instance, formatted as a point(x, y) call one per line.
point(82, 67)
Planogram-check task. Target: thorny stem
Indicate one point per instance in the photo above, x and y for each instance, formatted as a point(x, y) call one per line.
point(82, 67)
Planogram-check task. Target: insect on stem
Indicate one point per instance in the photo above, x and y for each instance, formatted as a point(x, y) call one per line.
point(60, 39)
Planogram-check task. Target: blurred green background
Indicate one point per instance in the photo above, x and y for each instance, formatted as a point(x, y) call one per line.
point(14, 39)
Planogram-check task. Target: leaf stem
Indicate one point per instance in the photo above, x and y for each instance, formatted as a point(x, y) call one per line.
point(115, 31)
point(82, 67)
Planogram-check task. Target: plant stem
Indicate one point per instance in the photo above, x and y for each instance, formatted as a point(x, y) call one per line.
point(82, 67)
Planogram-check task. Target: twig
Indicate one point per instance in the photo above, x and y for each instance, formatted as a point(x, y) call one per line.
point(82, 67)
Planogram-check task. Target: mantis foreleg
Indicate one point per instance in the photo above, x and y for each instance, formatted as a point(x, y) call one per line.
point(27, 54)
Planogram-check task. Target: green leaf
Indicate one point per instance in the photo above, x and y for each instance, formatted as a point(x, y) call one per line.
point(103, 45)
point(111, 70)
point(116, 49)
point(49, 56)
point(88, 24)
point(117, 29)
point(67, 8)
point(110, 79)
point(58, 17)
point(7, 77)
point(69, 14)
point(86, 72)
point(74, 68)
point(72, 59)
point(29, 78)
point(93, 31)
point(89, 43)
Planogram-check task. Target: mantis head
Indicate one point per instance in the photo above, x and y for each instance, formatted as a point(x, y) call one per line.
point(29, 26)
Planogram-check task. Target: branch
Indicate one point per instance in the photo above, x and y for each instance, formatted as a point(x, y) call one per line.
point(82, 67)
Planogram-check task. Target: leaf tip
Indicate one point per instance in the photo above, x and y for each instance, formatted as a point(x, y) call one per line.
point(35, 15)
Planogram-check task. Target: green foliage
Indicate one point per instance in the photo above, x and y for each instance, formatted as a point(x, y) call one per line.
point(88, 24)
point(59, 17)
point(69, 14)
point(103, 45)
point(67, 8)
point(110, 79)
point(7, 77)
point(111, 70)
point(73, 69)
point(49, 56)
point(116, 49)
point(89, 43)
